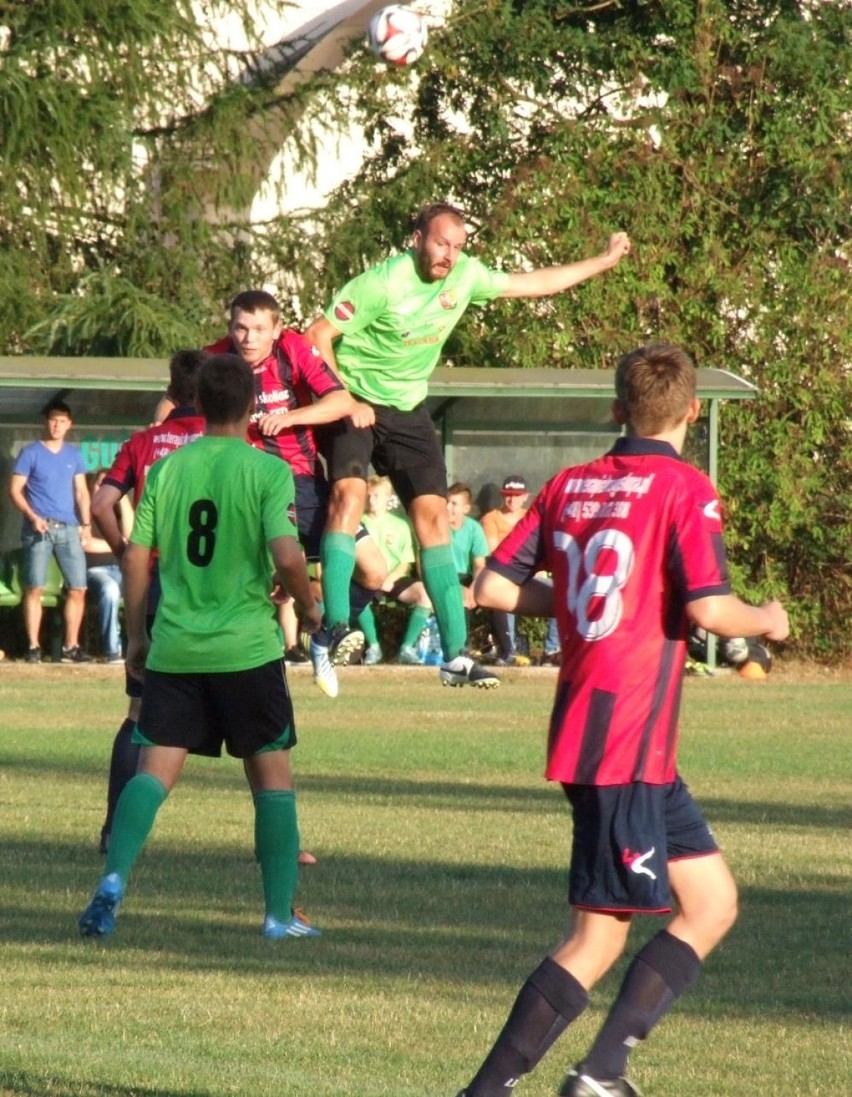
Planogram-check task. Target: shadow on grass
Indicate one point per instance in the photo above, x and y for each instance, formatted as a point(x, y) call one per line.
point(464, 924)
point(42, 1085)
point(466, 795)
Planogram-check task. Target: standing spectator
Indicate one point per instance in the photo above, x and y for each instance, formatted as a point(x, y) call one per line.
point(49, 488)
point(395, 540)
point(634, 543)
point(384, 332)
point(497, 524)
point(212, 673)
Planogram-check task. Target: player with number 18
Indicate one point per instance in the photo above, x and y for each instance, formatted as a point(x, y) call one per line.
point(633, 541)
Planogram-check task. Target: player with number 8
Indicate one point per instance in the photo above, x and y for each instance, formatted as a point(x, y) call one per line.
point(221, 514)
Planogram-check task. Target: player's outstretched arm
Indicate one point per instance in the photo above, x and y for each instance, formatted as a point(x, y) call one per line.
point(727, 615)
point(549, 280)
point(292, 574)
point(494, 591)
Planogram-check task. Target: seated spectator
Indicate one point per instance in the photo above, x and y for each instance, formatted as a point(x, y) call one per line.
point(468, 541)
point(496, 524)
point(103, 573)
point(393, 535)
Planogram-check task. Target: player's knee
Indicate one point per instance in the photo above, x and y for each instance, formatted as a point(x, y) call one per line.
point(720, 911)
point(346, 505)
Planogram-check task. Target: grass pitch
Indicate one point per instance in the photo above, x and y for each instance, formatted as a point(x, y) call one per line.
point(441, 884)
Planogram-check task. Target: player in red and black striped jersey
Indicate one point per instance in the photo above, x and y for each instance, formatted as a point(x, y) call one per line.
point(633, 541)
point(297, 393)
point(127, 475)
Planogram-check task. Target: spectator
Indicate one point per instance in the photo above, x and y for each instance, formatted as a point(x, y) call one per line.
point(497, 524)
point(49, 489)
point(103, 573)
point(395, 540)
point(468, 544)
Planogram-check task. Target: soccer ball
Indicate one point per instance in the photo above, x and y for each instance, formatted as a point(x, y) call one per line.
point(397, 35)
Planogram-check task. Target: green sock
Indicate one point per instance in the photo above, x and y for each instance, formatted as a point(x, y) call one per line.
point(442, 585)
point(367, 624)
point(337, 555)
point(135, 813)
point(276, 837)
point(417, 619)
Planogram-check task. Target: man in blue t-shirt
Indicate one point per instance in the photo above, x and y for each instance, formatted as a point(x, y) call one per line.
point(49, 488)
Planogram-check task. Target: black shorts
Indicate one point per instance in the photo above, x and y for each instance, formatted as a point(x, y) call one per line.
point(624, 838)
point(247, 710)
point(401, 445)
point(311, 513)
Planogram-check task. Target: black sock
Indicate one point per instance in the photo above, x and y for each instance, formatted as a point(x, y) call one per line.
point(122, 766)
point(547, 1003)
point(659, 974)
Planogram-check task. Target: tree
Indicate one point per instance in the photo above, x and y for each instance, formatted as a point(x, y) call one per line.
point(132, 141)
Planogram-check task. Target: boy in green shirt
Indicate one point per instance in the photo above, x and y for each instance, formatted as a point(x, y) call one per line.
point(221, 516)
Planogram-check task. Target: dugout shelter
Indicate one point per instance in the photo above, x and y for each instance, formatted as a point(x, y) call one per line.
point(492, 422)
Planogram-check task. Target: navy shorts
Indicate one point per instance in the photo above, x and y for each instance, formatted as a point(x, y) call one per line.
point(246, 710)
point(624, 838)
point(63, 542)
point(401, 445)
point(311, 512)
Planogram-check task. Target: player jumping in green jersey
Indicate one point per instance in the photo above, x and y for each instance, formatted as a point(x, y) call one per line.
point(221, 515)
point(384, 332)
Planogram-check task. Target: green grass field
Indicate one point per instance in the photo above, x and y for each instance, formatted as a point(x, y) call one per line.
point(441, 884)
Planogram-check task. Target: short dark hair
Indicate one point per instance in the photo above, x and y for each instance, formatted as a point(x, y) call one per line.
point(225, 388)
point(55, 405)
point(427, 215)
point(655, 385)
point(255, 300)
point(183, 375)
point(458, 488)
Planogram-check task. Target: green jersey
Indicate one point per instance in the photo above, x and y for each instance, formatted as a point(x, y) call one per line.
point(394, 537)
point(394, 325)
point(468, 544)
point(211, 508)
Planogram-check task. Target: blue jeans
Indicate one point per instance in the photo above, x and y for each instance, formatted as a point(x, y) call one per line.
point(60, 541)
point(104, 582)
point(551, 640)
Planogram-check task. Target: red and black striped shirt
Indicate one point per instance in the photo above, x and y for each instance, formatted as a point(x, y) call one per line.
point(630, 539)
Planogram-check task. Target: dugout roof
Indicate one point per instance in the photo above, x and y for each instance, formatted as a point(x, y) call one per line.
point(477, 411)
point(116, 392)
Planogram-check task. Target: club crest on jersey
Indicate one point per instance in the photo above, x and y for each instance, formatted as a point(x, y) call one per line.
point(448, 299)
point(291, 513)
point(344, 311)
